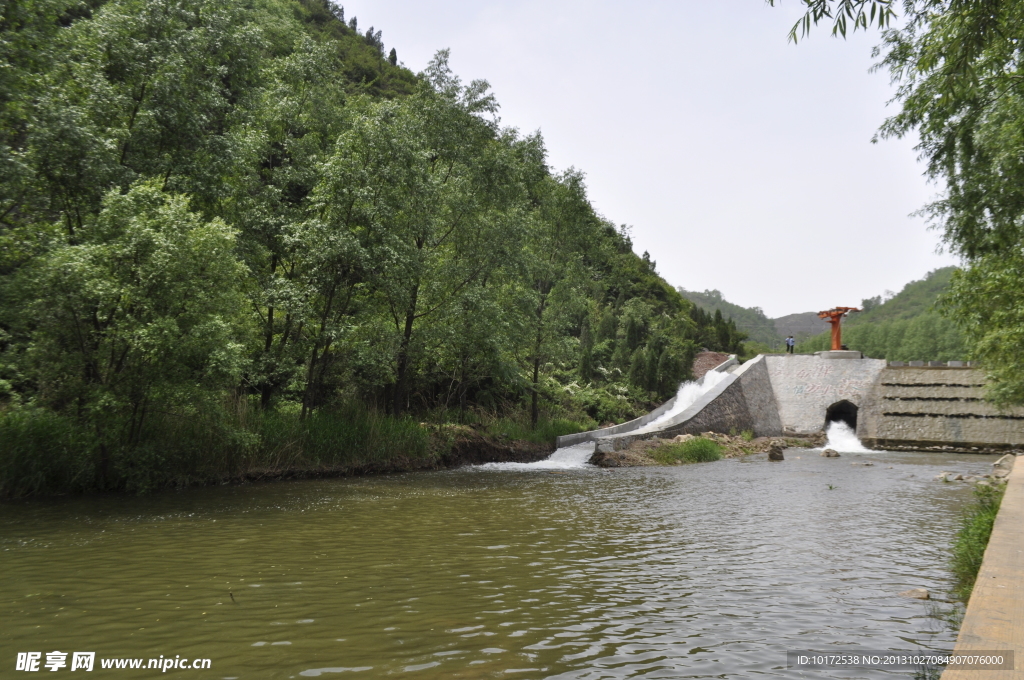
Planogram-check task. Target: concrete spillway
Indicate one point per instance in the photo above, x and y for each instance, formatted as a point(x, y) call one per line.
point(886, 406)
point(688, 394)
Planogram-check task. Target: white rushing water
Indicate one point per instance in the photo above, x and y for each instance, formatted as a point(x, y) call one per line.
point(687, 396)
point(577, 455)
point(565, 458)
point(842, 438)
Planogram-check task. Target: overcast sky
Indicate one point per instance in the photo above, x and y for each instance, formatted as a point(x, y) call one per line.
point(742, 162)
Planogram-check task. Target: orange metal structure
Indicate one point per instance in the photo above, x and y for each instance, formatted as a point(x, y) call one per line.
point(835, 316)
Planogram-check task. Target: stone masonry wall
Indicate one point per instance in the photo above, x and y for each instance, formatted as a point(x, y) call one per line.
point(806, 385)
point(937, 406)
point(760, 398)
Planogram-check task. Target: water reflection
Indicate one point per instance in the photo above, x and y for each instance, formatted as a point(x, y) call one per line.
point(701, 571)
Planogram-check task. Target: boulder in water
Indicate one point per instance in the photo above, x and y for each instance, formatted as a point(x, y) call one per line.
point(1002, 467)
point(775, 452)
point(916, 593)
point(830, 453)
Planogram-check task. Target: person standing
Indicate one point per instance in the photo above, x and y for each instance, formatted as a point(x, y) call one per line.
point(790, 343)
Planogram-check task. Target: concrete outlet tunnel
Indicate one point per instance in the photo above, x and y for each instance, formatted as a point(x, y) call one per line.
point(843, 411)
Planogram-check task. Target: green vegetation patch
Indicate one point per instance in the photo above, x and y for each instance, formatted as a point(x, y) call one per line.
point(972, 538)
point(696, 450)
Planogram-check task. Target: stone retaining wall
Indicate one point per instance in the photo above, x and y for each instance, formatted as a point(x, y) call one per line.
point(921, 406)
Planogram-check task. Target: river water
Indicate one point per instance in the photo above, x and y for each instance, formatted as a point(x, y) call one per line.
point(710, 570)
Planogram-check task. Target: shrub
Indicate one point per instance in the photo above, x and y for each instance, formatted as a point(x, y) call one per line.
point(696, 450)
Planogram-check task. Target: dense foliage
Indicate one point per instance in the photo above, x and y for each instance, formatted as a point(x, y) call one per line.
point(208, 208)
point(959, 72)
point(906, 327)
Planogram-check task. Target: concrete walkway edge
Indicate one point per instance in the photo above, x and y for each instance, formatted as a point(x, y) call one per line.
point(994, 619)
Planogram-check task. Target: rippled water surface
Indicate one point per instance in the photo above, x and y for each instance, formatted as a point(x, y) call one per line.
point(711, 570)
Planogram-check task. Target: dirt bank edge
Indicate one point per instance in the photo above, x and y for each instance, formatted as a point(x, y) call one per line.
point(450, 447)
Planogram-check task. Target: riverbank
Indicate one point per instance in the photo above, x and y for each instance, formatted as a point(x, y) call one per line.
point(641, 452)
point(450, 447)
point(43, 454)
point(994, 620)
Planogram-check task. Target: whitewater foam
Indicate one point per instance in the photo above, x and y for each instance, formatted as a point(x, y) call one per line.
point(578, 455)
point(842, 438)
point(565, 458)
point(687, 396)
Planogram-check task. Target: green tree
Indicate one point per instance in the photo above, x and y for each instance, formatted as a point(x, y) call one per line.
point(958, 72)
point(424, 185)
point(141, 313)
point(561, 230)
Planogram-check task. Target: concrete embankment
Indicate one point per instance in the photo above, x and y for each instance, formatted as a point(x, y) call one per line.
point(994, 620)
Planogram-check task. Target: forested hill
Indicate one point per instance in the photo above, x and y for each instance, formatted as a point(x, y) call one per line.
point(906, 327)
point(238, 215)
point(749, 320)
point(916, 298)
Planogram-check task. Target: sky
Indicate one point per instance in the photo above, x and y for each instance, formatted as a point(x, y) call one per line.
point(741, 162)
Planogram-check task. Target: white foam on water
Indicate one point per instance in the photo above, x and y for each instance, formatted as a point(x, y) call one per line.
point(842, 438)
point(687, 396)
point(577, 455)
point(565, 458)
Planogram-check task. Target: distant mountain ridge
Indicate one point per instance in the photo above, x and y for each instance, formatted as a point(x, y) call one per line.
point(754, 322)
point(801, 325)
point(896, 326)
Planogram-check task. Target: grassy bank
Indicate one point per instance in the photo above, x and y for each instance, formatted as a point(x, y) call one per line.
point(43, 453)
point(972, 538)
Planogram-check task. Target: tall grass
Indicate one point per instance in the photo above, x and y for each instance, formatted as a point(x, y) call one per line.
point(696, 450)
point(42, 452)
point(546, 432)
point(972, 538)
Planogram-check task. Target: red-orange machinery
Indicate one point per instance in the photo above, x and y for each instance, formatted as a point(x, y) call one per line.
point(835, 316)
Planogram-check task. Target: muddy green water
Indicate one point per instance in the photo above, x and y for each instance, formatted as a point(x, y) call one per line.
point(709, 570)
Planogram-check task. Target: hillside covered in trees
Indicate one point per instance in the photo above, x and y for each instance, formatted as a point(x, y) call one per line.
point(240, 235)
point(906, 327)
point(751, 321)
